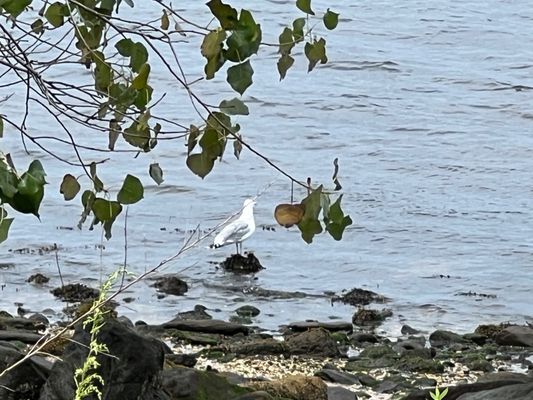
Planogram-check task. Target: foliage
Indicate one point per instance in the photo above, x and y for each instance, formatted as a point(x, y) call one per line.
point(438, 395)
point(120, 102)
point(88, 381)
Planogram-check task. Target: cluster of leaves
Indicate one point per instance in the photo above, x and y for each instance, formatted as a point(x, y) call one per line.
point(437, 394)
point(23, 193)
point(121, 70)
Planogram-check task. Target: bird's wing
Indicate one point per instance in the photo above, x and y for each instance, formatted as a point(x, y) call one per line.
point(231, 233)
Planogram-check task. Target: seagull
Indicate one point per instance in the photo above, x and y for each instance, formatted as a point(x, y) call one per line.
point(239, 230)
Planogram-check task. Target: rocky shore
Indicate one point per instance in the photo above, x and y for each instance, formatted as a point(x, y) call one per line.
point(195, 357)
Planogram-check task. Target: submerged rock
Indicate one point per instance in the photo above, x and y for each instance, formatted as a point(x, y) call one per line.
point(75, 292)
point(366, 316)
point(243, 265)
point(38, 279)
point(360, 297)
point(171, 284)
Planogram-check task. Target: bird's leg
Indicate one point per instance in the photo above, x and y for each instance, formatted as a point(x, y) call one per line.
point(237, 247)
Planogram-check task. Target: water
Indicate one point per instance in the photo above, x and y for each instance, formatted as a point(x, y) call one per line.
point(427, 106)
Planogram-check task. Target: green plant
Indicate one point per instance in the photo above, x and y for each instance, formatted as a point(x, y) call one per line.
point(437, 394)
point(87, 378)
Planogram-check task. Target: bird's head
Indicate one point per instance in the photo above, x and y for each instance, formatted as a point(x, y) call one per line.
point(249, 203)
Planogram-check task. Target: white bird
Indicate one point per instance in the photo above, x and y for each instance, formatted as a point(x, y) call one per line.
point(239, 230)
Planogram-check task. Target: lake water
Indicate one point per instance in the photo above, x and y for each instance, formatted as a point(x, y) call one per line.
point(428, 106)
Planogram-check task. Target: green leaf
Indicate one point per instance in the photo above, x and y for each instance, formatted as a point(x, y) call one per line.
point(114, 133)
point(139, 56)
point(200, 164)
point(240, 77)
point(212, 43)
point(165, 21)
point(331, 19)
point(141, 79)
point(315, 52)
point(310, 225)
point(106, 210)
point(137, 135)
point(234, 107)
point(336, 222)
point(1, 127)
point(194, 132)
point(286, 42)
point(37, 26)
point(284, 63)
point(226, 15)
point(30, 190)
point(305, 6)
point(103, 74)
point(245, 39)
point(124, 47)
point(15, 7)
point(298, 29)
point(237, 147)
point(5, 223)
point(156, 173)
point(55, 14)
point(69, 187)
point(212, 143)
point(8, 181)
point(132, 190)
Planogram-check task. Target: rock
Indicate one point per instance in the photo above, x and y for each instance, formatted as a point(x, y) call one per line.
point(478, 339)
point(317, 342)
point(132, 372)
point(522, 391)
point(259, 395)
point(12, 323)
point(171, 284)
point(295, 387)
point(24, 381)
point(203, 339)
point(360, 297)
point(243, 265)
point(20, 335)
point(39, 319)
point(259, 346)
point(38, 279)
point(515, 335)
point(75, 292)
point(441, 338)
point(457, 392)
point(197, 313)
point(183, 383)
point(364, 337)
point(186, 360)
point(340, 393)
point(407, 330)
point(330, 326)
point(207, 326)
point(365, 316)
point(247, 311)
point(490, 331)
point(335, 376)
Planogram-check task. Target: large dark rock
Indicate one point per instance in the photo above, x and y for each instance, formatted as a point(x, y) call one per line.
point(515, 335)
point(295, 387)
point(171, 284)
point(317, 342)
point(197, 313)
point(335, 376)
point(20, 335)
point(10, 323)
point(206, 326)
point(441, 338)
point(481, 388)
point(241, 264)
point(370, 317)
point(190, 384)
point(75, 292)
point(267, 346)
point(330, 326)
point(523, 391)
point(340, 393)
point(360, 297)
point(131, 372)
point(24, 381)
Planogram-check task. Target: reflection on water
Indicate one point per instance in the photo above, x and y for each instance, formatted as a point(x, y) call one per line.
point(428, 110)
